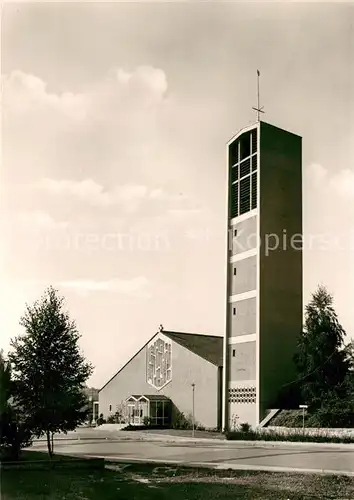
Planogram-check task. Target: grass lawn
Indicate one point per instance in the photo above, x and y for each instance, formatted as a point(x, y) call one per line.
point(29, 455)
point(148, 482)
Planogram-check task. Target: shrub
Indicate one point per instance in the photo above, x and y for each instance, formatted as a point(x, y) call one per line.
point(291, 437)
point(131, 427)
point(339, 414)
point(101, 420)
point(15, 434)
point(147, 421)
point(185, 422)
point(180, 421)
point(289, 418)
point(245, 427)
point(15, 429)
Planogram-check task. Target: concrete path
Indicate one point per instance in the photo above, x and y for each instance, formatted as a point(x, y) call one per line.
point(265, 456)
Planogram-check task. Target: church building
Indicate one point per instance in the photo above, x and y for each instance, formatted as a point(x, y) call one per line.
point(174, 373)
point(235, 378)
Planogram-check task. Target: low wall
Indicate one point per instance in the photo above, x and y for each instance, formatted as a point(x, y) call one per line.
point(309, 431)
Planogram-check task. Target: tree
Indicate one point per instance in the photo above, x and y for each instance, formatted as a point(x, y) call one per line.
point(49, 370)
point(321, 360)
point(288, 397)
point(14, 431)
point(5, 383)
point(349, 351)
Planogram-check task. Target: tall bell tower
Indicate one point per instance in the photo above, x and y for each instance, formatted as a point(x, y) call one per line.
point(264, 307)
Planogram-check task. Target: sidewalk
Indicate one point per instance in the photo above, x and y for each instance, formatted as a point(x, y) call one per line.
point(117, 436)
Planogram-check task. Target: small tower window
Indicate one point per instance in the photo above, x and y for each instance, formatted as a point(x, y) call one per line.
point(234, 311)
point(235, 233)
point(110, 407)
point(233, 353)
point(235, 271)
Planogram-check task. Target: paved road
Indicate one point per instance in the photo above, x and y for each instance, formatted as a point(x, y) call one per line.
point(238, 454)
point(100, 433)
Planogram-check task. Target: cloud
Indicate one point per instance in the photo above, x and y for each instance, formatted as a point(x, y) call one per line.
point(343, 183)
point(109, 125)
point(146, 77)
point(136, 287)
point(340, 183)
point(130, 197)
point(317, 173)
point(39, 220)
point(92, 192)
point(23, 93)
point(185, 212)
point(160, 194)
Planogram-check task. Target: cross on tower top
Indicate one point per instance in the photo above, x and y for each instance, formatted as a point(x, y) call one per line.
point(258, 108)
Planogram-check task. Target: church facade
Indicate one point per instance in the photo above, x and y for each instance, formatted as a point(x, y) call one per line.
point(172, 373)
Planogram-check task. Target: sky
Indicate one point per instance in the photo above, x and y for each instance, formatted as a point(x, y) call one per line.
point(115, 119)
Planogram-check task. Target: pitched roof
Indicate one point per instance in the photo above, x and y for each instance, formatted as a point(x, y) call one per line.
point(208, 347)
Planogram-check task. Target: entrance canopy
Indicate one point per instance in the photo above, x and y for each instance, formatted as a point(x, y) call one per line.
point(147, 397)
point(155, 407)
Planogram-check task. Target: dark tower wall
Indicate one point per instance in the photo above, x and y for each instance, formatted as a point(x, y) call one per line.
point(280, 276)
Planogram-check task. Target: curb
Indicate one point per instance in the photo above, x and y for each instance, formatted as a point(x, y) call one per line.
point(168, 439)
point(235, 442)
point(58, 440)
point(227, 466)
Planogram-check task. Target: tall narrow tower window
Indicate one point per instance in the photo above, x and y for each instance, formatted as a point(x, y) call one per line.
point(234, 200)
point(245, 168)
point(254, 163)
point(234, 173)
point(254, 141)
point(245, 195)
point(254, 191)
point(243, 164)
point(233, 153)
point(245, 145)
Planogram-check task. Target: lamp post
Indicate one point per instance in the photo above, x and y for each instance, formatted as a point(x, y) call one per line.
point(303, 407)
point(193, 417)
